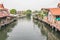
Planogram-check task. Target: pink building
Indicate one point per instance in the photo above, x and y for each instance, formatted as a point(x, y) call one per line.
point(3, 11)
point(54, 15)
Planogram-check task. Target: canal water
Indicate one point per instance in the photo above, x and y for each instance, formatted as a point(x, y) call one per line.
point(28, 29)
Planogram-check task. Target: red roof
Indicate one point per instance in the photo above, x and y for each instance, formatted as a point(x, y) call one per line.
point(1, 6)
point(2, 13)
point(55, 11)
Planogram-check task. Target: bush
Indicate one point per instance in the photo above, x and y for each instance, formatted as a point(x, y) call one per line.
point(28, 12)
point(13, 11)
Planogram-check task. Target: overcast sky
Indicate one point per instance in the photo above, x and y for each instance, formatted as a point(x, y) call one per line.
point(29, 4)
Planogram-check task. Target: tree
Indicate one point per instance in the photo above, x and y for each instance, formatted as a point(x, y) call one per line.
point(28, 12)
point(36, 11)
point(41, 14)
point(13, 11)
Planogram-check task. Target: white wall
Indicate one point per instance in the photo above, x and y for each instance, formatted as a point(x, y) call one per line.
point(51, 17)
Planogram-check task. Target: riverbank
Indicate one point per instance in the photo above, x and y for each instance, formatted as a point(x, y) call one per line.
point(28, 29)
point(47, 31)
point(53, 26)
point(6, 20)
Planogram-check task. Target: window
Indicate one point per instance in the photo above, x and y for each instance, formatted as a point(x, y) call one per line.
point(57, 18)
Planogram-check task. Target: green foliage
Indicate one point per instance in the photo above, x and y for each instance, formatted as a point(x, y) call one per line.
point(28, 12)
point(36, 11)
point(41, 14)
point(13, 11)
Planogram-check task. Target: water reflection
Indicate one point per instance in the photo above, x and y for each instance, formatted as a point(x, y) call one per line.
point(5, 30)
point(47, 31)
point(26, 29)
point(28, 17)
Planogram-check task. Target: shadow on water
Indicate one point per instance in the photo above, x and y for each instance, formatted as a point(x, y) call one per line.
point(47, 31)
point(28, 17)
point(6, 29)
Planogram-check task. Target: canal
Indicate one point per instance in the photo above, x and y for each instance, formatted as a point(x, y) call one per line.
point(28, 29)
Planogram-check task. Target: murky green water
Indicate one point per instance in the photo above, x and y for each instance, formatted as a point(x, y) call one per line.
point(27, 29)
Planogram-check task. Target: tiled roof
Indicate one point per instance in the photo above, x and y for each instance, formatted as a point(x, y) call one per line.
point(55, 11)
point(2, 13)
point(1, 6)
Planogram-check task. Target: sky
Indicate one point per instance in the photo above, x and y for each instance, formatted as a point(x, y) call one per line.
point(29, 4)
